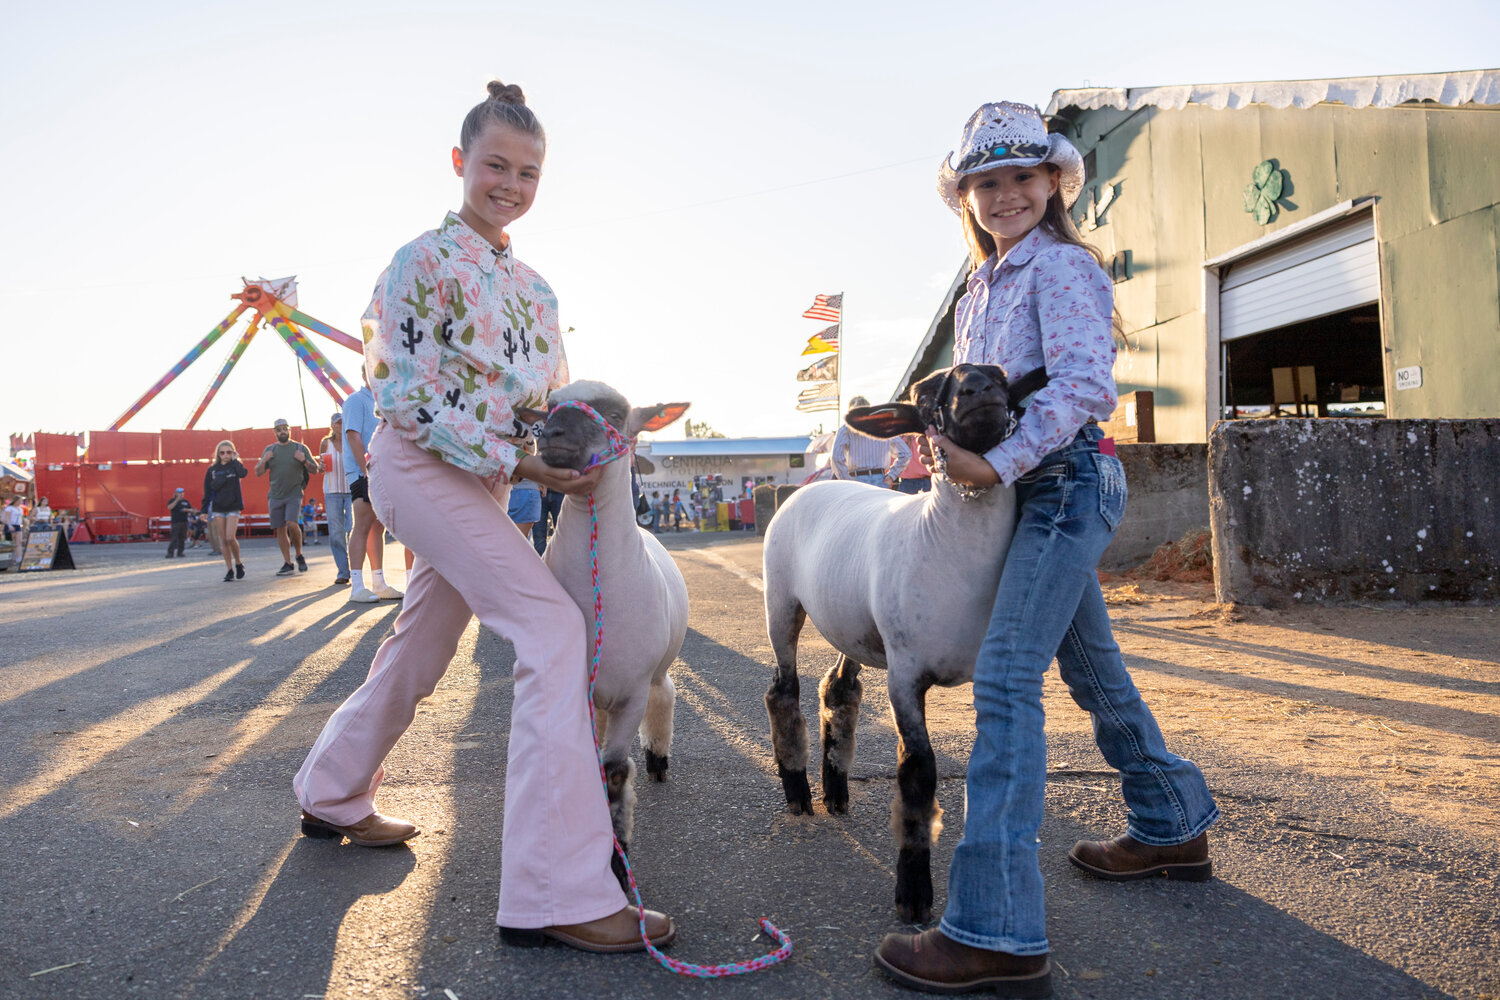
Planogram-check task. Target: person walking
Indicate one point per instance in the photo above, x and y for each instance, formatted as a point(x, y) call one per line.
point(290, 464)
point(1038, 297)
point(13, 519)
point(439, 467)
point(336, 497)
point(179, 507)
point(222, 502)
point(367, 540)
point(866, 459)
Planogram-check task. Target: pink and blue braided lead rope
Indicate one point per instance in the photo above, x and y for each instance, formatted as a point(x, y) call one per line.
point(619, 447)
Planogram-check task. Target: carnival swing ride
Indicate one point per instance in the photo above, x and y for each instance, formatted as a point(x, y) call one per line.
point(269, 302)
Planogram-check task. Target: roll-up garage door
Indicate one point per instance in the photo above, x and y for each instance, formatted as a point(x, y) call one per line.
point(1327, 271)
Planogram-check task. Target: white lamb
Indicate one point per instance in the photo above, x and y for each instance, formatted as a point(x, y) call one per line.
point(904, 583)
point(645, 599)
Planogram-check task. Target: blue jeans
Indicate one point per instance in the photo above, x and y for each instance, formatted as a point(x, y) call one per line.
point(336, 508)
point(1049, 605)
point(871, 478)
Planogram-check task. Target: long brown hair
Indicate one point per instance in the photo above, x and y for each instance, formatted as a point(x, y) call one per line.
point(222, 444)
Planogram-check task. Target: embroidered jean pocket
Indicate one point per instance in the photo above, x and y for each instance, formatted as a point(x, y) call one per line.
point(1112, 489)
point(1056, 470)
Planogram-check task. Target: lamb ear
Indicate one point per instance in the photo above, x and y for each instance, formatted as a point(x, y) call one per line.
point(653, 418)
point(527, 415)
point(886, 421)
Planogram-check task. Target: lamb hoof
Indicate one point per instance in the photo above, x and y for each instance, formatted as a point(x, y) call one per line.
point(656, 766)
point(835, 791)
point(798, 792)
point(912, 914)
point(914, 885)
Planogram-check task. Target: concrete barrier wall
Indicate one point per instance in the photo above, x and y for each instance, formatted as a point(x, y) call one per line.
point(1312, 510)
point(1168, 486)
point(1168, 498)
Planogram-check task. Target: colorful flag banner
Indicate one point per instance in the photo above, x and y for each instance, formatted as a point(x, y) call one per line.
point(817, 345)
point(830, 336)
point(826, 308)
point(822, 370)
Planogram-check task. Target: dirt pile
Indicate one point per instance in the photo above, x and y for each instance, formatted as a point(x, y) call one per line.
point(1187, 560)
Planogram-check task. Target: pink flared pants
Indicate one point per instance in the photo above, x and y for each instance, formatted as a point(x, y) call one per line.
point(470, 559)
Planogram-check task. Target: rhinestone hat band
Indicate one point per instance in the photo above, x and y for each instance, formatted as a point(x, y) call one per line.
point(999, 154)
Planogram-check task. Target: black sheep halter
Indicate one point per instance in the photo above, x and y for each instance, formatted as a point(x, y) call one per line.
point(1028, 385)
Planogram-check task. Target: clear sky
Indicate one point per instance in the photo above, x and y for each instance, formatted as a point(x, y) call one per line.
point(711, 167)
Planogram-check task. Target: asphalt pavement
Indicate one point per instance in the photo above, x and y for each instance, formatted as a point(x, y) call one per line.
point(154, 716)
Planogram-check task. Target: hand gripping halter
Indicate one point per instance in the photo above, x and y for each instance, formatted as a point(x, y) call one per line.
point(618, 447)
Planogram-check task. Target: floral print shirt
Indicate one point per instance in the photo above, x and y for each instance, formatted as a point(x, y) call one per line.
point(458, 336)
point(1047, 303)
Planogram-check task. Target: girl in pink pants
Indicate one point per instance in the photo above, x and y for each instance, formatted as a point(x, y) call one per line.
point(458, 337)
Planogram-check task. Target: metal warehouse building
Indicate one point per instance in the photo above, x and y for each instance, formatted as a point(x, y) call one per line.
point(1312, 247)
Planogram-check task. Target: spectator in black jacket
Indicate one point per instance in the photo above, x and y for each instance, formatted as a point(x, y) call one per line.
point(223, 503)
point(179, 507)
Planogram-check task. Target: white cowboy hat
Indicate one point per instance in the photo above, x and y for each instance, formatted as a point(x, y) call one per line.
point(1007, 134)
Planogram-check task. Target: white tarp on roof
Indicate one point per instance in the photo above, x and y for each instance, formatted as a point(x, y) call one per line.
point(1479, 86)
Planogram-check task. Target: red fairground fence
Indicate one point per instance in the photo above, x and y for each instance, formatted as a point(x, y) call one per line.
point(124, 478)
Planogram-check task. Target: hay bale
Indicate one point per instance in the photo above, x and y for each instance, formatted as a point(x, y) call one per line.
point(1187, 560)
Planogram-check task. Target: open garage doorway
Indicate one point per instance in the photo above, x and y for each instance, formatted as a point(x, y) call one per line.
point(1298, 321)
point(1325, 367)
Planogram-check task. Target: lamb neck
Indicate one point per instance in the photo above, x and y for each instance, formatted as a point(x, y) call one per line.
point(945, 516)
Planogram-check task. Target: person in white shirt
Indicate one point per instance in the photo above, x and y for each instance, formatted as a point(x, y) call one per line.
point(13, 518)
point(867, 459)
point(336, 499)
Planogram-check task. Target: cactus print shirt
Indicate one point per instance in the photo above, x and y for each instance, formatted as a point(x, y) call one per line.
point(1047, 303)
point(459, 335)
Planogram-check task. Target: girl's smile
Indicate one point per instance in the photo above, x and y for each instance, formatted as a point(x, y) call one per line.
point(500, 171)
point(1008, 202)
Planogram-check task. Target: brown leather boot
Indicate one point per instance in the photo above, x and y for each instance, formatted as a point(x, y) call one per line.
point(1125, 859)
point(374, 830)
point(935, 963)
point(620, 931)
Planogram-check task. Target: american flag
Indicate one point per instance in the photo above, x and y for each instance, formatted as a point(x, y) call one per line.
point(830, 336)
point(818, 397)
point(826, 308)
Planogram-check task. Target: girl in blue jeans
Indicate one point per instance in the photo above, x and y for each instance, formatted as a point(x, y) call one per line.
point(1038, 298)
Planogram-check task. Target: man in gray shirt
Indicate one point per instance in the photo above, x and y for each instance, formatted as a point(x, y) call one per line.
point(290, 465)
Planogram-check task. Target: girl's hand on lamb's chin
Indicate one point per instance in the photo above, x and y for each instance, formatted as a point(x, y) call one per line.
point(964, 466)
point(560, 479)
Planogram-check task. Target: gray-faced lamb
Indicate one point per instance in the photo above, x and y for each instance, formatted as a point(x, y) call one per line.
point(645, 601)
point(903, 583)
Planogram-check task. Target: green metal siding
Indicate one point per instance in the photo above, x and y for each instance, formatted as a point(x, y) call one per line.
point(1434, 171)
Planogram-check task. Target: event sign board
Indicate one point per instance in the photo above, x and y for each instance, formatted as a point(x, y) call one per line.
point(45, 549)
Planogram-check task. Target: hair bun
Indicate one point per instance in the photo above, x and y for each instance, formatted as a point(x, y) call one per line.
point(506, 93)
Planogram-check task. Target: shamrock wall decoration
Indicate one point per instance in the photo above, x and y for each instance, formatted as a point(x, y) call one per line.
point(1263, 190)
